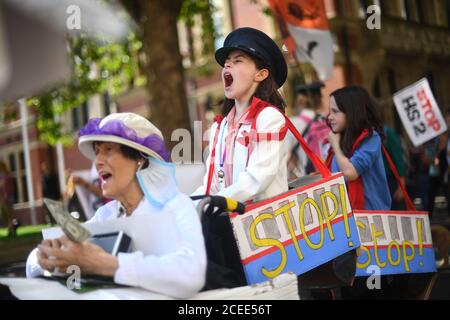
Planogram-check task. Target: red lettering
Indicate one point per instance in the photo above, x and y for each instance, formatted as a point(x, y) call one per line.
point(432, 122)
point(421, 95)
point(436, 125)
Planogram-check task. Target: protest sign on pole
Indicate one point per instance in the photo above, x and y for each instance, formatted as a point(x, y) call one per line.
point(419, 112)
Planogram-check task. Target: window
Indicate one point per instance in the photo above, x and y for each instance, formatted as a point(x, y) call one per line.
point(24, 188)
point(396, 9)
point(22, 160)
point(339, 7)
point(404, 10)
point(392, 89)
point(16, 164)
point(447, 11)
point(346, 8)
point(12, 169)
point(12, 162)
point(22, 176)
point(75, 121)
point(106, 104)
point(382, 5)
point(84, 113)
point(377, 88)
point(80, 116)
point(363, 5)
point(391, 81)
point(419, 10)
point(413, 10)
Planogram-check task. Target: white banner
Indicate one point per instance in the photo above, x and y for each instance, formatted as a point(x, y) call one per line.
point(306, 32)
point(419, 112)
point(316, 47)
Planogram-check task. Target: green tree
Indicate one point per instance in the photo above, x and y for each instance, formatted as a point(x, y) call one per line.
point(157, 20)
point(97, 67)
point(114, 66)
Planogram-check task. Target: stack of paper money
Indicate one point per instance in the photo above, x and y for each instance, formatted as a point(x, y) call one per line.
point(71, 227)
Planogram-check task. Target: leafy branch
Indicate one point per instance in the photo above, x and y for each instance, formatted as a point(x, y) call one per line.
point(97, 67)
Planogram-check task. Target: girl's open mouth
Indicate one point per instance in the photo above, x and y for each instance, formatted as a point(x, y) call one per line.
point(228, 79)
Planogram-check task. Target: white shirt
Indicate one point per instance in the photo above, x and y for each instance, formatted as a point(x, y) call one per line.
point(179, 274)
point(265, 175)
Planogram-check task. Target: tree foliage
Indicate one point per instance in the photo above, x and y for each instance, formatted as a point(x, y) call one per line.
point(97, 67)
point(203, 9)
point(100, 66)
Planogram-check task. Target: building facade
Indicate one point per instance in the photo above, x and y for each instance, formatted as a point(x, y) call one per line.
point(413, 42)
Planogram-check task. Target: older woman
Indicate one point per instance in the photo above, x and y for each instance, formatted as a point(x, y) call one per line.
point(130, 158)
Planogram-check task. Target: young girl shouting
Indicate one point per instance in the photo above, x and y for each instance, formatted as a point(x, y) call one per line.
point(246, 143)
point(246, 157)
point(355, 140)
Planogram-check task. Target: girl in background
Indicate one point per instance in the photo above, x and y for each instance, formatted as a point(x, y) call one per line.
point(355, 140)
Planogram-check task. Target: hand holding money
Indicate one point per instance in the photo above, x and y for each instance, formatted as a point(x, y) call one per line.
point(70, 226)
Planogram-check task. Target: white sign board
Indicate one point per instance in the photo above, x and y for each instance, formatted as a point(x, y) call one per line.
point(419, 112)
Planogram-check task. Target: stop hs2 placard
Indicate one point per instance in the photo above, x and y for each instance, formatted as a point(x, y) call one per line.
point(419, 112)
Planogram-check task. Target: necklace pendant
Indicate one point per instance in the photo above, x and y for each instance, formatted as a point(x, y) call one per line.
point(220, 175)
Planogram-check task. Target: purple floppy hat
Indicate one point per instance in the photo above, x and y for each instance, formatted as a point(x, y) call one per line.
point(128, 129)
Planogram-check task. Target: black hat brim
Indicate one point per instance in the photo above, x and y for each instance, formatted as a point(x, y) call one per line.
point(279, 71)
point(222, 53)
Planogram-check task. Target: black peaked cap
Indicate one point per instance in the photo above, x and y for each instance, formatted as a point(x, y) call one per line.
point(258, 44)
